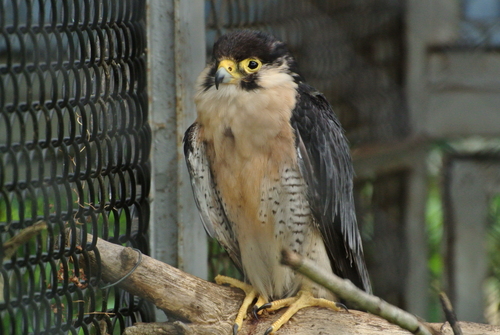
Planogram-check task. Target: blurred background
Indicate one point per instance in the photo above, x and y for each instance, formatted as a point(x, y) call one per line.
point(95, 96)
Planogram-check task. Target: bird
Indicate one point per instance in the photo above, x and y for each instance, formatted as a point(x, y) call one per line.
point(270, 168)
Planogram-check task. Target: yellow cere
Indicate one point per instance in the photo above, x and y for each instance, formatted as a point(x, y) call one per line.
point(230, 66)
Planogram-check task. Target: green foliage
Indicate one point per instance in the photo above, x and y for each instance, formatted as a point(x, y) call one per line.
point(492, 285)
point(434, 228)
point(220, 263)
point(493, 242)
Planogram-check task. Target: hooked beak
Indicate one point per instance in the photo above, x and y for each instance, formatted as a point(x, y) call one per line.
point(227, 73)
point(222, 76)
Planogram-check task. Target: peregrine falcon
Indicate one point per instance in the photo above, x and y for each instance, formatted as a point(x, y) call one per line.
point(270, 170)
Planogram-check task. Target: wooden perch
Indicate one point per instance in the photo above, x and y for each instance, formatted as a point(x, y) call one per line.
point(201, 307)
point(24, 236)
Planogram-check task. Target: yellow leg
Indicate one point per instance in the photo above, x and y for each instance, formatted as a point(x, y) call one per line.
point(261, 301)
point(303, 299)
point(250, 295)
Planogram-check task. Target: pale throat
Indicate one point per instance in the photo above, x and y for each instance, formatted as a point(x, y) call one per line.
point(248, 122)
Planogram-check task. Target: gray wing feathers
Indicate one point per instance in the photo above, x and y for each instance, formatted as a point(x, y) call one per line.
point(207, 200)
point(325, 164)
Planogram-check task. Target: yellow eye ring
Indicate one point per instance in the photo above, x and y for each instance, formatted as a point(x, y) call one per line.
point(251, 65)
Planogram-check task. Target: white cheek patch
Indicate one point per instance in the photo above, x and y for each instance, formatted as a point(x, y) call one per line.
point(270, 77)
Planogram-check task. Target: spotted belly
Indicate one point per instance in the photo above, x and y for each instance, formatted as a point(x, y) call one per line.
point(284, 222)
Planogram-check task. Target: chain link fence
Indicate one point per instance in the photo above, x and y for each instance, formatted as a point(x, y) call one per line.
point(74, 147)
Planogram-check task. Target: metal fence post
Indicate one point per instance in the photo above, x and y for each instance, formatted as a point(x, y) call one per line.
point(176, 55)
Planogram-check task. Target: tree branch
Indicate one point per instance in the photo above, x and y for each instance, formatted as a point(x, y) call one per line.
point(346, 290)
point(450, 314)
point(206, 308)
point(10, 247)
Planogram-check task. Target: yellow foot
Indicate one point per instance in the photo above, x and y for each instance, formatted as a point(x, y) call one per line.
point(250, 295)
point(303, 299)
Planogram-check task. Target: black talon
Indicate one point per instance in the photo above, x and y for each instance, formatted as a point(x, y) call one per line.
point(341, 305)
point(255, 309)
point(235, 329)
point(263, 307)
point(268, 331)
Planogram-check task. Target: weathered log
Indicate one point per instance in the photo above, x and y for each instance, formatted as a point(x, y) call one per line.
point(10, 246)
point(201, 307)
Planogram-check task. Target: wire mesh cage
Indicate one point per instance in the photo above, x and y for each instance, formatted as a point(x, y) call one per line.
point(74, 147)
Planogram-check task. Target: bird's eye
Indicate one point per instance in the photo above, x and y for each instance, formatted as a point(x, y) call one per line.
point(251, 65)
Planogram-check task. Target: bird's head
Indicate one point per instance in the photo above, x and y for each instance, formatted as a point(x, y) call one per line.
point(250, 60)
